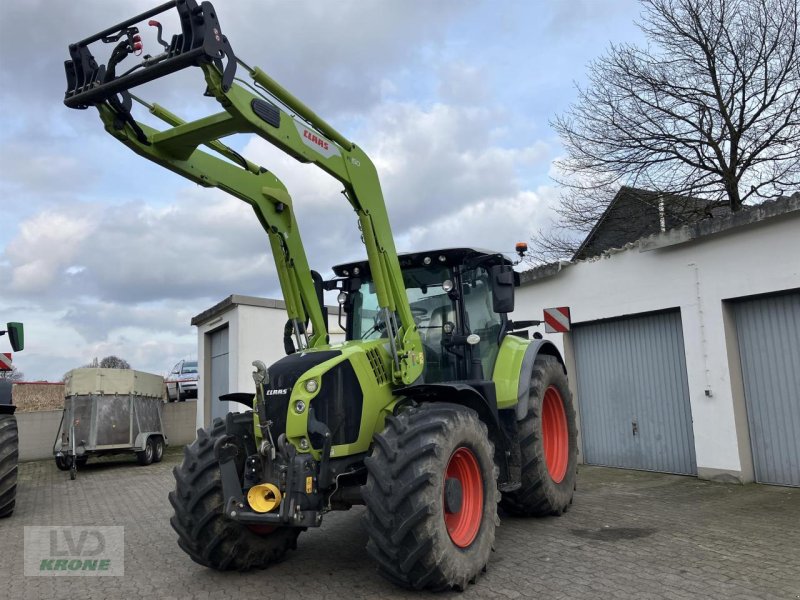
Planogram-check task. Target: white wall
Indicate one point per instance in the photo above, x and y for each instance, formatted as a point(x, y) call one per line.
point(38, 430)
point(695, 277)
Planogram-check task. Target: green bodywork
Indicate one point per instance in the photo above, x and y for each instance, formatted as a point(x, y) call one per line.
point(373, 413)
point(507, 370)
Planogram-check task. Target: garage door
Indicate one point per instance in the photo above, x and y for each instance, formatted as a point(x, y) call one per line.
point(768, 330)
point(219, 372)
point(633, 393)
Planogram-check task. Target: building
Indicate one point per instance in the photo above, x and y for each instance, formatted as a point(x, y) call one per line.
point(684, 353)
point(634, 213)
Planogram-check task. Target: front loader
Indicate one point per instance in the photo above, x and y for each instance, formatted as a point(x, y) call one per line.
point(436, 408)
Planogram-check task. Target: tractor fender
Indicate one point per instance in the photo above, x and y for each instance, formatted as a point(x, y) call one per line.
point(463, 394)
point(534, 349)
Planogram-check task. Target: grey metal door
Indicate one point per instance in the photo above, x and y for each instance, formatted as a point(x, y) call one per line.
point(768, 330)
point(219, 372)
point(633, 393)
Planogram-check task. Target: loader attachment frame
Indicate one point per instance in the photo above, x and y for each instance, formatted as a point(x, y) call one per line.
point(264, 108)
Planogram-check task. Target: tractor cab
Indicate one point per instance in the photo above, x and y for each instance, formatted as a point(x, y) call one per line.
point(459, 297)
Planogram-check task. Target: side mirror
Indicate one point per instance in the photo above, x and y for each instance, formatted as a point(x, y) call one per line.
point(502, 288)
point(16, 335)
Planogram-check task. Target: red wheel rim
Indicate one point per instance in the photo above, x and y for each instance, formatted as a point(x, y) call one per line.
point(463, 525)
point(555, 434)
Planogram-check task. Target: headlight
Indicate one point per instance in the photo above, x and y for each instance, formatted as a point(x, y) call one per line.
point(311, 386)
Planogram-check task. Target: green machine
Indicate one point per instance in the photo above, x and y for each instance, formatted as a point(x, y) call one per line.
point(436, 408)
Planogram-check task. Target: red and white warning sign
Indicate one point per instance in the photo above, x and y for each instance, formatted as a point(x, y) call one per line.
point(5, 361)
point(556, 320)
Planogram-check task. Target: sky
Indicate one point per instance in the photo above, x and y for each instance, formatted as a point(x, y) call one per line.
point(102, 252)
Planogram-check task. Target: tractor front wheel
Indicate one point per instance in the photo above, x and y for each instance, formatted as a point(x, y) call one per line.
point(208, 537)
point(549, 444)
point(431, 497)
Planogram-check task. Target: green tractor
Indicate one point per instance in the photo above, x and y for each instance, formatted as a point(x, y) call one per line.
point(436, 408)
point(9, 437)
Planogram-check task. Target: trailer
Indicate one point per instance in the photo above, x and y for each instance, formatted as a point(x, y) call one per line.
point(110, 411)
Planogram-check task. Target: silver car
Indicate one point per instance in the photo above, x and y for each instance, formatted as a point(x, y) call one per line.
point(182, 381)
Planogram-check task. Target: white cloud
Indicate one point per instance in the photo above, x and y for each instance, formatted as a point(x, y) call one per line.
point(46, 244)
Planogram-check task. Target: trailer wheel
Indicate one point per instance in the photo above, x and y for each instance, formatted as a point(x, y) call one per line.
point(9, 455)
point(204, 533)
point(431, 497)
point(158, 449)
point(549, 444)
point(145, 457)
point(63, 462)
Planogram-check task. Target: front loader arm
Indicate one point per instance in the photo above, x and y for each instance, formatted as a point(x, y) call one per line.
point(264, 192)
point(276, 116)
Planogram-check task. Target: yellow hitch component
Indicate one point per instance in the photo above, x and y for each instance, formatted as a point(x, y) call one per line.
point(264, 497)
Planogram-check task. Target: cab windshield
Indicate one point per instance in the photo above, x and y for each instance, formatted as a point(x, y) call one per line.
point(436, 315)
point(429, 303)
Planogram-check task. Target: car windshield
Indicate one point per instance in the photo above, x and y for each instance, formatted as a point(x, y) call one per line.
point(429, 302)
point(189, 367)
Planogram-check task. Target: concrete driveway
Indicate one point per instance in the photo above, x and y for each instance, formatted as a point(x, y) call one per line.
point(628, 535)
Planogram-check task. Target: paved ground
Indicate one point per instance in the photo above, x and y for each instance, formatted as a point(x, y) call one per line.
point(629, 535)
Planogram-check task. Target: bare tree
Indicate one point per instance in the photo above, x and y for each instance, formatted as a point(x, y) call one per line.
point(710, 109)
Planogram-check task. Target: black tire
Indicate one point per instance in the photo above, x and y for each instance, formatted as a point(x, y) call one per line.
point(9, 457)
point(63, 462)
point(204, 533)
point(405, 517)
point(145, 457)
point(158, 449)
point(73, 471)
point(540, 494)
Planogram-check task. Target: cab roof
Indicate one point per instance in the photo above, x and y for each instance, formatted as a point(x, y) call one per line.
point(445, 256)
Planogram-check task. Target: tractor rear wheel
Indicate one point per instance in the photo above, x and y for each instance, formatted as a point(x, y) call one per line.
point(549, 444)
point(9, 455)
point(431, 497)
point(208, 537)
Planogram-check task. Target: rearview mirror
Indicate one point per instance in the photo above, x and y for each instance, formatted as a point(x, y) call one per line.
point(502, 288)
point(16, 335)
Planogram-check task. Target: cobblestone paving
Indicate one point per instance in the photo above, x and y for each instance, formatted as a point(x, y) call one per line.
point(628, 535)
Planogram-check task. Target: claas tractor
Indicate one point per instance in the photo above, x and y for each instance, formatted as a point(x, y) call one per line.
point(436, 409)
